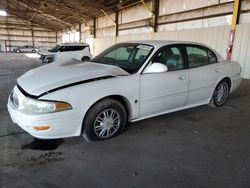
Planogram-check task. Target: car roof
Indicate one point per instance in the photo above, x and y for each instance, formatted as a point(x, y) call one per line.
point(74, 44)
point(160, 43)
point(165, 42)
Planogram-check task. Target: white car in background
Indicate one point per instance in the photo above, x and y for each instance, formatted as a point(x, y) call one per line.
point(61, 52)
point(26, 49)
point(127, 82)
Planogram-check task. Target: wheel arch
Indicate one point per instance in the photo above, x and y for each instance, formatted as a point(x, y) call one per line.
point(123, 100)
point(227, 79)
point(85, 56)
point(229, 82)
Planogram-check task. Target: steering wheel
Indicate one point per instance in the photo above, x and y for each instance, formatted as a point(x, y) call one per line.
point(138, 61)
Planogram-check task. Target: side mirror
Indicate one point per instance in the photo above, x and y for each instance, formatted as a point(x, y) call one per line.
point(156, 68)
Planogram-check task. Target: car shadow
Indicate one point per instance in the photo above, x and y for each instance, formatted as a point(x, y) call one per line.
point(43, 145)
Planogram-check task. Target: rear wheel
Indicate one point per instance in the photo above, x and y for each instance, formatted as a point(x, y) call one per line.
point(85, 58)
point(220, 95)
point(105, 119)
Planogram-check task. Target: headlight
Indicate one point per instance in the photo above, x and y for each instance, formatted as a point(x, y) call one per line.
point(39, 106)
point(14, 99)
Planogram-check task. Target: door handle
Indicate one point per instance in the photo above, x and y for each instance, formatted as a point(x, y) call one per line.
point(182, 77)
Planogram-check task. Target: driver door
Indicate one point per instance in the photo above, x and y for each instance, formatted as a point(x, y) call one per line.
point(160, 92)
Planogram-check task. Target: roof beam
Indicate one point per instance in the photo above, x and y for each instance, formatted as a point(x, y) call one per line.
point(37, 10)
point(53, 20)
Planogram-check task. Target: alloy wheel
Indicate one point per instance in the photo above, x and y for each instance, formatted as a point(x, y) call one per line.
point(107, 123)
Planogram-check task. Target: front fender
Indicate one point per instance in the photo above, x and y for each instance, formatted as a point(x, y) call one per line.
point(83, 96)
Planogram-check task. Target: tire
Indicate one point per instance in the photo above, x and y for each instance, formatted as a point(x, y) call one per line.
point(85, 58)
point(33, 51)
point(220, 94)
point(48, 60)
point(98, 123)
point(18, 51)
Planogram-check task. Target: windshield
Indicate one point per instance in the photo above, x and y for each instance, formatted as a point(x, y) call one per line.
point(56, 48)
point(128, 56)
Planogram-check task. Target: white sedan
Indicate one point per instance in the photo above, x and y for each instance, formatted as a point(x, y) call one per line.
point(127, 82)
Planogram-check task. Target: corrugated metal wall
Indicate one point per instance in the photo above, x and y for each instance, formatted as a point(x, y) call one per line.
point(169, 7)
point(18, 37)
point(102, 43)
point(105, 27)
point(21, 34)
point(216, 37)
point(241, 49)
point(134, 37)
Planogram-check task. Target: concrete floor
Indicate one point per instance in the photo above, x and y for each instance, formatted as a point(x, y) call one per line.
point(199, 147)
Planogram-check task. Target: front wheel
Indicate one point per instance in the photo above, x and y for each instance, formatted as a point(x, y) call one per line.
point(105, 119)
point(85, 58)
point(220, 95)
point(48, 60)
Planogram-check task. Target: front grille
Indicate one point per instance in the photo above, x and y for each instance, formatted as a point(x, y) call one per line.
point(14, 99)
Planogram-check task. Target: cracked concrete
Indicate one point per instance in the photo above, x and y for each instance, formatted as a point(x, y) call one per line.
point(198, 147)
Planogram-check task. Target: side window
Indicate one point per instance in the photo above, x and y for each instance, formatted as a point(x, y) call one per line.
point(65, 49)
point(71, 48)
point(78, 48)
point(170, 56)
point(197, 56)
point(212, 57)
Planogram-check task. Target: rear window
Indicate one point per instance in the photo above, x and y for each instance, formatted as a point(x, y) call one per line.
point(197, 56)
point(212, 57)
point(78, 48)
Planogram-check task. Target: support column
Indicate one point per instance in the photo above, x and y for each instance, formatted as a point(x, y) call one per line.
point(235, 21)
point(32, 35)
point(155, 15)
point(94, 28)
point(7, 46)
point(116, 22)
point(80, 33)
point(152, 11)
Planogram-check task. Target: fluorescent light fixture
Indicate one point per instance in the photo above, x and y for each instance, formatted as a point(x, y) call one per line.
point(3, 13)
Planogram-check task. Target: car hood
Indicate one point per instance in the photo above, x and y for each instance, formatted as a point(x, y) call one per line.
point(51, 76)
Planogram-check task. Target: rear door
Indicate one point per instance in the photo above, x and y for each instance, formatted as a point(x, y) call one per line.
point(165, 91)
point(79, 52)
point(204, 73)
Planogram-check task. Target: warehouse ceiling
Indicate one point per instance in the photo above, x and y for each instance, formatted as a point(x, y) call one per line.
point(60, 14)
